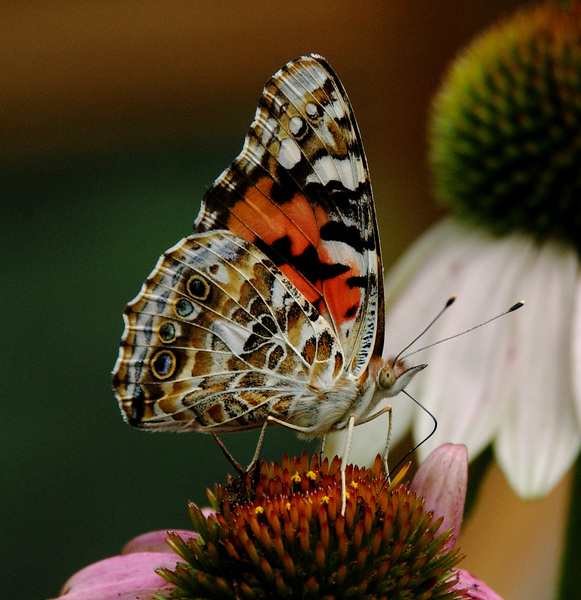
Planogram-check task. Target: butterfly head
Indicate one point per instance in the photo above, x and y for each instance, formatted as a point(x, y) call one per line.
point(393, 376)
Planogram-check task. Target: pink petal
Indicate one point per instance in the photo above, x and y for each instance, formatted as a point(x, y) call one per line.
point(154, 541)
point(125, 577)
point(475, 589)
point(442, 480)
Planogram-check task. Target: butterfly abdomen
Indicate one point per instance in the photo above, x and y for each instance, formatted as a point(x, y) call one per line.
point(320, 412)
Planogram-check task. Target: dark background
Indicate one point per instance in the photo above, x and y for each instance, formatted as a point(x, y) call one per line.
point(114, 117)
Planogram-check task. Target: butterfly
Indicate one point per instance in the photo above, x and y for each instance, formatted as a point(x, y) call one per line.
point(273, 310)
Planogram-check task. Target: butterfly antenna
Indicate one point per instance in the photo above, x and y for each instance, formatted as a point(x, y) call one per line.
point(449, 303)
point(435, 426)
point(506, 312)
point(410, 452)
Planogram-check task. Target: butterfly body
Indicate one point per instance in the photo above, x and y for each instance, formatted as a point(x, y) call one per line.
point(273, 308)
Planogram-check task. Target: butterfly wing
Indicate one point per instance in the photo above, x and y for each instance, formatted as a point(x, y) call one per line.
point(218, 338)
point(300, 192)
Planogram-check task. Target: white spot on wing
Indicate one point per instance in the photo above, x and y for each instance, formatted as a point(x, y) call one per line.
point(338, 107)
point(221, 274)
point(289, 153)
point(327, 168)
point(234, 337)
point(311, 110)
point(295, 125)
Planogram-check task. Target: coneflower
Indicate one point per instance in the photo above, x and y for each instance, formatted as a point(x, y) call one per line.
point(279, 533)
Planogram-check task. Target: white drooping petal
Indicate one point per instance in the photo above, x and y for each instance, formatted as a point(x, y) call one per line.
point(510, 380)
point(540, 434)
point(470, 378)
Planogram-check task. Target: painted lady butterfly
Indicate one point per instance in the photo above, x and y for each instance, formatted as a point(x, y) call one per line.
point(272, 311)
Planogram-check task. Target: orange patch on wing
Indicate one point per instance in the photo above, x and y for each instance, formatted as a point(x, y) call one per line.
point(257, 216)
point(260, 217)
point(343, 301)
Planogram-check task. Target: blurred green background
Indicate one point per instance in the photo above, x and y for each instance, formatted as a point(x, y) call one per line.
point(114, 117)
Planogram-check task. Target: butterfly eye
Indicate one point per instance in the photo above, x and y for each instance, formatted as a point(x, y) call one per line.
point(198, 287)
point(167, 333)
point(163, 364)
point(386, 377)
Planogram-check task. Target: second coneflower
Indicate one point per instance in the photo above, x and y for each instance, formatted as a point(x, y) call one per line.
point(506, 156)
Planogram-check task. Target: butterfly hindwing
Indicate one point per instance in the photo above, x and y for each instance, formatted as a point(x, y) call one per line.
point(300, 192)
point(218, 338)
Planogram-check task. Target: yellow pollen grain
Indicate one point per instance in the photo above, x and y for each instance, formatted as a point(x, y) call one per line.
point(287, 506)
point(296, 478)
point(354, 485)
point(325, 500)
point(312, 475)
point(347, 495)
point(258, 510)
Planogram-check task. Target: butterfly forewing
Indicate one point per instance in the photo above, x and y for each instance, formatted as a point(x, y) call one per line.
point(300, 191)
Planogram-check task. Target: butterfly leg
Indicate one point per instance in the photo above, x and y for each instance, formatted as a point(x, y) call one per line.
point(269, 421)
point(387, 444)
point(344, 457)
point(237, 466)
point(346, 448)
point(322, 448)
point(388, 410)
point(254, 460)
